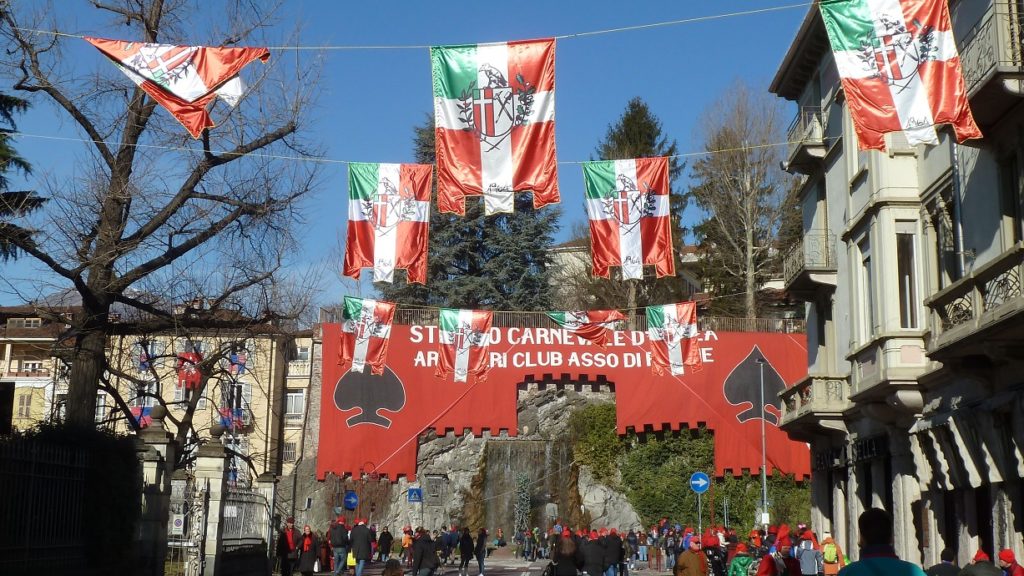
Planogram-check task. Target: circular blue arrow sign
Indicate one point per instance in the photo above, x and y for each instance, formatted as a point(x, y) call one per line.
point(351, 500)
point(700, 482)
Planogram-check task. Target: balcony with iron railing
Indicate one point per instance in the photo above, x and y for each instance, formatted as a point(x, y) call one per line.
point(810, 265)
point(992, 58)
point(806, 141)
point(814, 406)
point(980, 314)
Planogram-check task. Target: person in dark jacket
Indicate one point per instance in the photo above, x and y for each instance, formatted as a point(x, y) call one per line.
point(465, 551)
point(593, 555)
point(480, 550)
point(308, 548)
point(981, 565)
point(288, 547)
point(424, 554)
point(566, 557)
point(947, 566)
point(384, 543)
point(612, 553)
point(361, 546)
point(337, 536)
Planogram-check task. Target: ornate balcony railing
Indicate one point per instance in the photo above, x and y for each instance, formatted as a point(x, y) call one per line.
point(298, 368)
point(815, 253)
point(815, 395)
point(980, 300)
point(993, 43)
point(805, 137)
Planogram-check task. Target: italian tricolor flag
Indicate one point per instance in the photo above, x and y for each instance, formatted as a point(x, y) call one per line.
point(900, 69)
point(183, 79)
point(388, 220)
point(672, 330)
point(494, 117)
point(592, 325)
point(628, 207)
point(365, 333)
point(463, 343)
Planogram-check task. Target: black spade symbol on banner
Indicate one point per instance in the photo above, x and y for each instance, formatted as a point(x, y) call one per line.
point(743, 388)
point(370, 394)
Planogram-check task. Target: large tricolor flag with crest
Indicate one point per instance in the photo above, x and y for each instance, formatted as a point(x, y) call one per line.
point(463, 343)
point(388, 220)
point(592, 325)
point(183, 79)
point(900, 69)
point(672, 331)
point(628, 207)
point(365, 333)
point(494, 120)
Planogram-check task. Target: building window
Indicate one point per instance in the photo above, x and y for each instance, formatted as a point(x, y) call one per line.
point(302, 353)
point(145, 395)
point(25, 405)
point(866, 289)
point(295, 402)
point(1011, 200)
point(101, 407)
point(24, 322)
point(31, 365)
point(906, 271)
point(288, 452)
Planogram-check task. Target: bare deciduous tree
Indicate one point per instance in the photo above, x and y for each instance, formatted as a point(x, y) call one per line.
point(740, 187)
point(155, 218)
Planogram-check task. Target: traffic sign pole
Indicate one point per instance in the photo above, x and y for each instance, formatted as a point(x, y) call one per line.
point(700, 526)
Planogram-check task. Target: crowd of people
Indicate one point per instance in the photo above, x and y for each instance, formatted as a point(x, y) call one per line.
point(718, 551)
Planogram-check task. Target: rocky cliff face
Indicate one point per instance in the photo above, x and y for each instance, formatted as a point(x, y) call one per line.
point(470, 480)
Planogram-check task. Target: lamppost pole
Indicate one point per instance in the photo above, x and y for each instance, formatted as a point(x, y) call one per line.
point(764, 452)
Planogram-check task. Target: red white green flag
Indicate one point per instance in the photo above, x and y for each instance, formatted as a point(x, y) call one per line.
point(672, 330)
point(494, 118)
point(183, 79)
point(365, 333)
point(463, 343)
point(900, 69)
point(388, 220)
point(593, 325)
point(628, 207)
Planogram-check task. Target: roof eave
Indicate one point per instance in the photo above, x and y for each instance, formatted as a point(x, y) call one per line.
point(806, 47)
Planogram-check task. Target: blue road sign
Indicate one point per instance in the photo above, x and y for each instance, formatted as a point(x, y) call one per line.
point(700, 482)
point(415, 494)
point(351, 500)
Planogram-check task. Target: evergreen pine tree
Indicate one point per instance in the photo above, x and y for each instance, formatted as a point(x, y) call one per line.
point(13, 203)
point(497, 262)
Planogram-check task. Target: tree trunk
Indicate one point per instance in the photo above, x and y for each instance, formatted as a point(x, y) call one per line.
point(88, 363)
point(749, 271)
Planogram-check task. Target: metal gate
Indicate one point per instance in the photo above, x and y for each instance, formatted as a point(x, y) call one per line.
point(186, 527)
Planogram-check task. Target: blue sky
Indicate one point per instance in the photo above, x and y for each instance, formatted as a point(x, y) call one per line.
point(371, 99)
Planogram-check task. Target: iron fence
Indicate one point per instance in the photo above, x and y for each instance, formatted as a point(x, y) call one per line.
point(246, 519)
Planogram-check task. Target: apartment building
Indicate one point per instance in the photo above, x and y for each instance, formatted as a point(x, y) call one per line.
point(910, 269)
point(256, 390)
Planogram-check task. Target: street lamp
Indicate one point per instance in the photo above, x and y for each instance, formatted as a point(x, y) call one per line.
point(764, 453)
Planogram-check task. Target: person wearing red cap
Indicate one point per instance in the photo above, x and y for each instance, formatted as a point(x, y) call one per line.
point(566, 556)
point(809, 556)
point(691, 562)
point(288, 547)
point(337, 537)
point(1008, 562)
point(713, 552)
point(361, 544)
point(877, 555)
point(981, 565)
point(612, 552)
point(741, 561)
point(780, 562)
point(593, 555)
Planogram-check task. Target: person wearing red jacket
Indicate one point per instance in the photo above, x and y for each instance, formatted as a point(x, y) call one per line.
point(781, 562)
point(1008, 562)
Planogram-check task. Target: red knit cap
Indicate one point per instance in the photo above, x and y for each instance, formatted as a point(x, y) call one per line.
point(566, 534)
point(773, 529)
point(593, 534)
point(1006, 555)
point(741, 548)
point(981, 556)
point(602, 532)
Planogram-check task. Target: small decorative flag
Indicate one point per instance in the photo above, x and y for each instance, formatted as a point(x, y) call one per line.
point(593, 325)
point(232, 417)
point(900, 69)
point(145, 362)
point(237, 362)
point(365, 333)
point(183, 79)
point(463, 343)
point(494, 121)
point(388, 220)
point(141, 416)
point(672, 330)
point(188, 370)
point(628, 207)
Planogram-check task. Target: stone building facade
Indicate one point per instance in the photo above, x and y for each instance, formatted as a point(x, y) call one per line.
point(911, 271)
